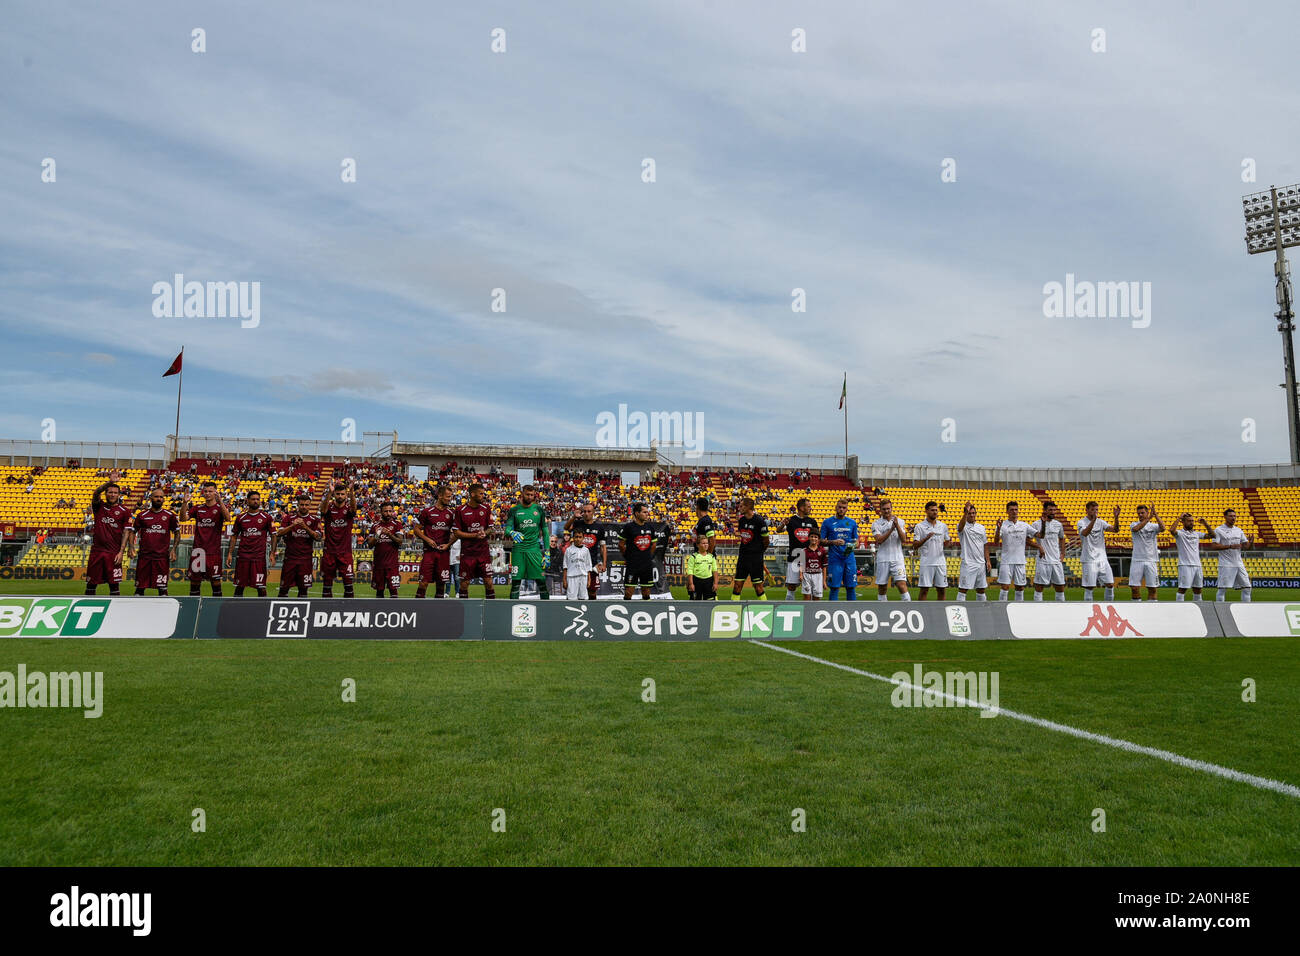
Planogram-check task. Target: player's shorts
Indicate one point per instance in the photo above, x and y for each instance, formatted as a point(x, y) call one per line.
point(1143, 572)
point(1012, 574)
point(812, 585)
point(704, 590)
point(1190, 576)
point(792, 573)
point(641, 577)
point(102, 569)
point(475, 567)
point(842, 572)
point(151, 571)
point(972, 576)
point(933, 576)
point(887, 571)
point(203, 567)
point(1097, 572)
point(435, 566)
point(1049, 572)
point(296, 572)
point(385, 574)
point(593, 581)
point(332, 564)
point(250, 572)
point(1230, 577)
point(527, 564)
point(575, 587)
point(750, 566)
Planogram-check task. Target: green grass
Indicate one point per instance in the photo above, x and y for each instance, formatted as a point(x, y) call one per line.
point(557, 734)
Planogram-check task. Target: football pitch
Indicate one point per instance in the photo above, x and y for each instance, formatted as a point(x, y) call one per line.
point(567, 753)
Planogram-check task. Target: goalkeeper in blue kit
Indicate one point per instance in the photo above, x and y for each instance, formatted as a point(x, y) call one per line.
point(840, 535)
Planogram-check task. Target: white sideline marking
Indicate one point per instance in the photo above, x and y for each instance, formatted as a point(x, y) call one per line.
point(1263, 783)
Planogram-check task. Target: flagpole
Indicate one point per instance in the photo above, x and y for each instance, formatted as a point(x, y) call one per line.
point(846, 426)
point(180, 378)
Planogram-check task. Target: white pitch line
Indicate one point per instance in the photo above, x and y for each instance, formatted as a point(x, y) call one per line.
point(1263, 783)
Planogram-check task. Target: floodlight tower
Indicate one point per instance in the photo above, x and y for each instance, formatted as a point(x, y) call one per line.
point(1273, 224)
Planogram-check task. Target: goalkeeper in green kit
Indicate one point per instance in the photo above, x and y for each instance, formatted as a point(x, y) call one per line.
point(526, 526)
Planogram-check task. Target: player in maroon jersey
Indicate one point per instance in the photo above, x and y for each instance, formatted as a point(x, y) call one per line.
point(112, 518)
point(386, 538)
point(473, 519)
point(210, 520)
point(337, 510)
point(301, 529)
point(157, 531)
point(434, 528)
point(249, 535)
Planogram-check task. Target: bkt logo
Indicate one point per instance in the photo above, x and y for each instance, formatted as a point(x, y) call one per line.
point(52, 617)
point(777, 622)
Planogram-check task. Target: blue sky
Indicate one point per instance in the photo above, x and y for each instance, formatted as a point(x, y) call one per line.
point(775, 170)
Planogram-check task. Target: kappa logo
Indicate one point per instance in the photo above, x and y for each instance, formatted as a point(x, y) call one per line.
point(757, 622)
point(958, 622)
point(1108, 625)
point(523, 620)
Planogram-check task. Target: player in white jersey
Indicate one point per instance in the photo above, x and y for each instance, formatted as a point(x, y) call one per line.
point(929, 537)
point(1095, 564)
point(1229, 540)
point(974, 569)
point(887, 532)
point(1145, 566)
point(1048, 535)
point(1010, 536)
point(1188, 540)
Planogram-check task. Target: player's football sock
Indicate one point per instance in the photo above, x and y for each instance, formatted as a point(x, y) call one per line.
point(194, 589)
point(1220, 594)
point(327, 591)
point(851, 593)
point(981, 596)
point(261, 592)
point(139, 592)
point(1020, 595)
point(1245, 595)
point(90, 589)
point(1110, 594)
point(514, 590)
point(420, 591)
point(1180, 596)
point(835, 594)
point(489, 592)
point(1060, 595)
point(284, 591)
point(1087, 594)
point(543, 590)
point(347, 591)
point(1038, 595)
point(1002, 596)
point(907, 595)
point(961, 595)
point(762, 595)
point(114, 591)
point(302, 592)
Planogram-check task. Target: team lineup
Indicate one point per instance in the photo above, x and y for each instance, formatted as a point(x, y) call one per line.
point(821, 557)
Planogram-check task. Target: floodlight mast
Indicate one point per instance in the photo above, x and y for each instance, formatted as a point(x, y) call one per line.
point(1285, 314)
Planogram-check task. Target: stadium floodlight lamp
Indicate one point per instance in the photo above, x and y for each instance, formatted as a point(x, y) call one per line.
point(1273, 225)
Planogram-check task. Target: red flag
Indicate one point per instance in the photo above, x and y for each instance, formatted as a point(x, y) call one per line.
point(175, 367)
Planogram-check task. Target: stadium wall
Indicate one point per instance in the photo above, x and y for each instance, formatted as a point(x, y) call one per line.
point(1190, 476)
point(432, 619)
